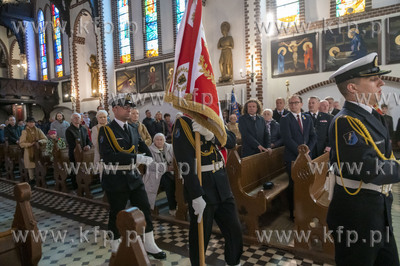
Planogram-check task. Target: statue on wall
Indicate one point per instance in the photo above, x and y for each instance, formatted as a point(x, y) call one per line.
point(94, 73)
point(225, 44)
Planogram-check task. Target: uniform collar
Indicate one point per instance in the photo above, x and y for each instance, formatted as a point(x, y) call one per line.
point(120, 123)
point(365, 107)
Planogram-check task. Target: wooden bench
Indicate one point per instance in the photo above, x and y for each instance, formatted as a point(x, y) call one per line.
point(311, 203)
point(13, 154)
point(130, 252)
point(85, 175)
point(2, 156)
point(247, 176)
point(42, 164)
point(61, 158)
point(26, 252)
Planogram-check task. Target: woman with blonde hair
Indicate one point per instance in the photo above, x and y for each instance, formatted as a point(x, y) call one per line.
point(101, 117)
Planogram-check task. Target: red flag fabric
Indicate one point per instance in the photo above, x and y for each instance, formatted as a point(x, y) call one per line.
point(192, 88)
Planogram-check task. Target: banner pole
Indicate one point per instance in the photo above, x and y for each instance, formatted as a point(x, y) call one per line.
point(200, 225)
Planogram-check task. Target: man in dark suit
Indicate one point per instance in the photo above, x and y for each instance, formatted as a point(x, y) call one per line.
point(321, 123)
point(280, 109)
point(362, 199)
point(255, 137)
point(332, 110)
point(119, 144)
point(296, 129)
point(148, 121)
point(273, 129)
point(213, 200)
point(11, 131)
point(388, 119)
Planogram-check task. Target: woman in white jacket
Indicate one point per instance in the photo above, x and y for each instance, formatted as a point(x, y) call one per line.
point(161, 171)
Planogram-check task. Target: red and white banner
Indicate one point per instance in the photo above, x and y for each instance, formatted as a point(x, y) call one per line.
point(192, 88)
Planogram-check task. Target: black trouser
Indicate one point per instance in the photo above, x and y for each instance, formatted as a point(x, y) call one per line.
point(364, 254)
point(290, 188)
point(226, 217)
point(168, 184)
point(118, 201)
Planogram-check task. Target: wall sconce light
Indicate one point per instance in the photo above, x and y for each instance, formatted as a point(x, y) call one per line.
point(251, 73)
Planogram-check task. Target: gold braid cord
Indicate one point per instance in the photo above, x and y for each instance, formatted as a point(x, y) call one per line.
point(359, 127)
point(114, 142)
point(189, 136)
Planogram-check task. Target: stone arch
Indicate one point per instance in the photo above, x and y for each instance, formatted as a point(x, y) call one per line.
point(6, 57)
point(81, 41)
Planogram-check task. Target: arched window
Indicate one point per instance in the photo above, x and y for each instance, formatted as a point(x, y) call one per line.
point(42, 46)
point(347, 7)
point(288, 10)
point(180, 10)
point(124, 36)
point(57, 41)
point(151, 26)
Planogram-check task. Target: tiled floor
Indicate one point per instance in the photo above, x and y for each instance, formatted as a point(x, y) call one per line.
point(70, 217)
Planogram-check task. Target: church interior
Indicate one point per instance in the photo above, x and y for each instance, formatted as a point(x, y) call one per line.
point(73, 56)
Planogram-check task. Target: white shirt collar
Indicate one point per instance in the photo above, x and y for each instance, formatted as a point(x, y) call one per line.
point(364, 106)
point(120, 123)
point(295, 115)
point(316, 113)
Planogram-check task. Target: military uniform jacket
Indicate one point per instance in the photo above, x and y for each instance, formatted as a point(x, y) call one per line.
point(215, 186)
point(368, 207)
point(121, 180)
point(321, 125)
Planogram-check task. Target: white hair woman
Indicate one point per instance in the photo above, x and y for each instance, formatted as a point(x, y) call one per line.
point(101, 117)
point(161, 171)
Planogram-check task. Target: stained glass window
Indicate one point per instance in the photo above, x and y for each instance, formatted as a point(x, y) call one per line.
point(124, 32)
point(57, 41)
point(287, 10)
point(180, 10)
point(346, 7)
point(42, 46)
point(151, 38)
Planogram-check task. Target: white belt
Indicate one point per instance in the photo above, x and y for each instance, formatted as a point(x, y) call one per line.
point(215, 166)
point(348, 183)
point(125, 167)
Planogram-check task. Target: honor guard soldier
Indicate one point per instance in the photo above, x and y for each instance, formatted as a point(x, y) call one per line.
point(214, 199)
point(360, 211)
point(119, 144)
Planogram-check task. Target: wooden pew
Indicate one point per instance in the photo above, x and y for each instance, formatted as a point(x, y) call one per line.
point(311, 203)
point(60, 173)
point(26, 252)
point(85, 175)
point(42, 164)
point(13, 154)
point(2, 156)
point(130, 252)
point(247, 175)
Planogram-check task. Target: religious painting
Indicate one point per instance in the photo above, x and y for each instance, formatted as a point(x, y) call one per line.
point(66, 91)
point(151, 78)
point(348, 43)
point(126, 81)
point(393, 40)
point(295, 56)
point(168, 71)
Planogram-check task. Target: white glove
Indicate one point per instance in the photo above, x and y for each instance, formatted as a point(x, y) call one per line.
point(199, 205)
point(142, 159)
point(208, 135)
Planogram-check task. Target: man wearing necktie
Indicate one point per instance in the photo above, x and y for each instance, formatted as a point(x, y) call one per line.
point(280, 109)
point(362, 199)
point(321, 122)
point(119, 145)
point(255, 137)
point(296, 129)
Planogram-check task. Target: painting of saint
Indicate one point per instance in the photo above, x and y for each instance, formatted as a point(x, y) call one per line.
point(126, 81)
